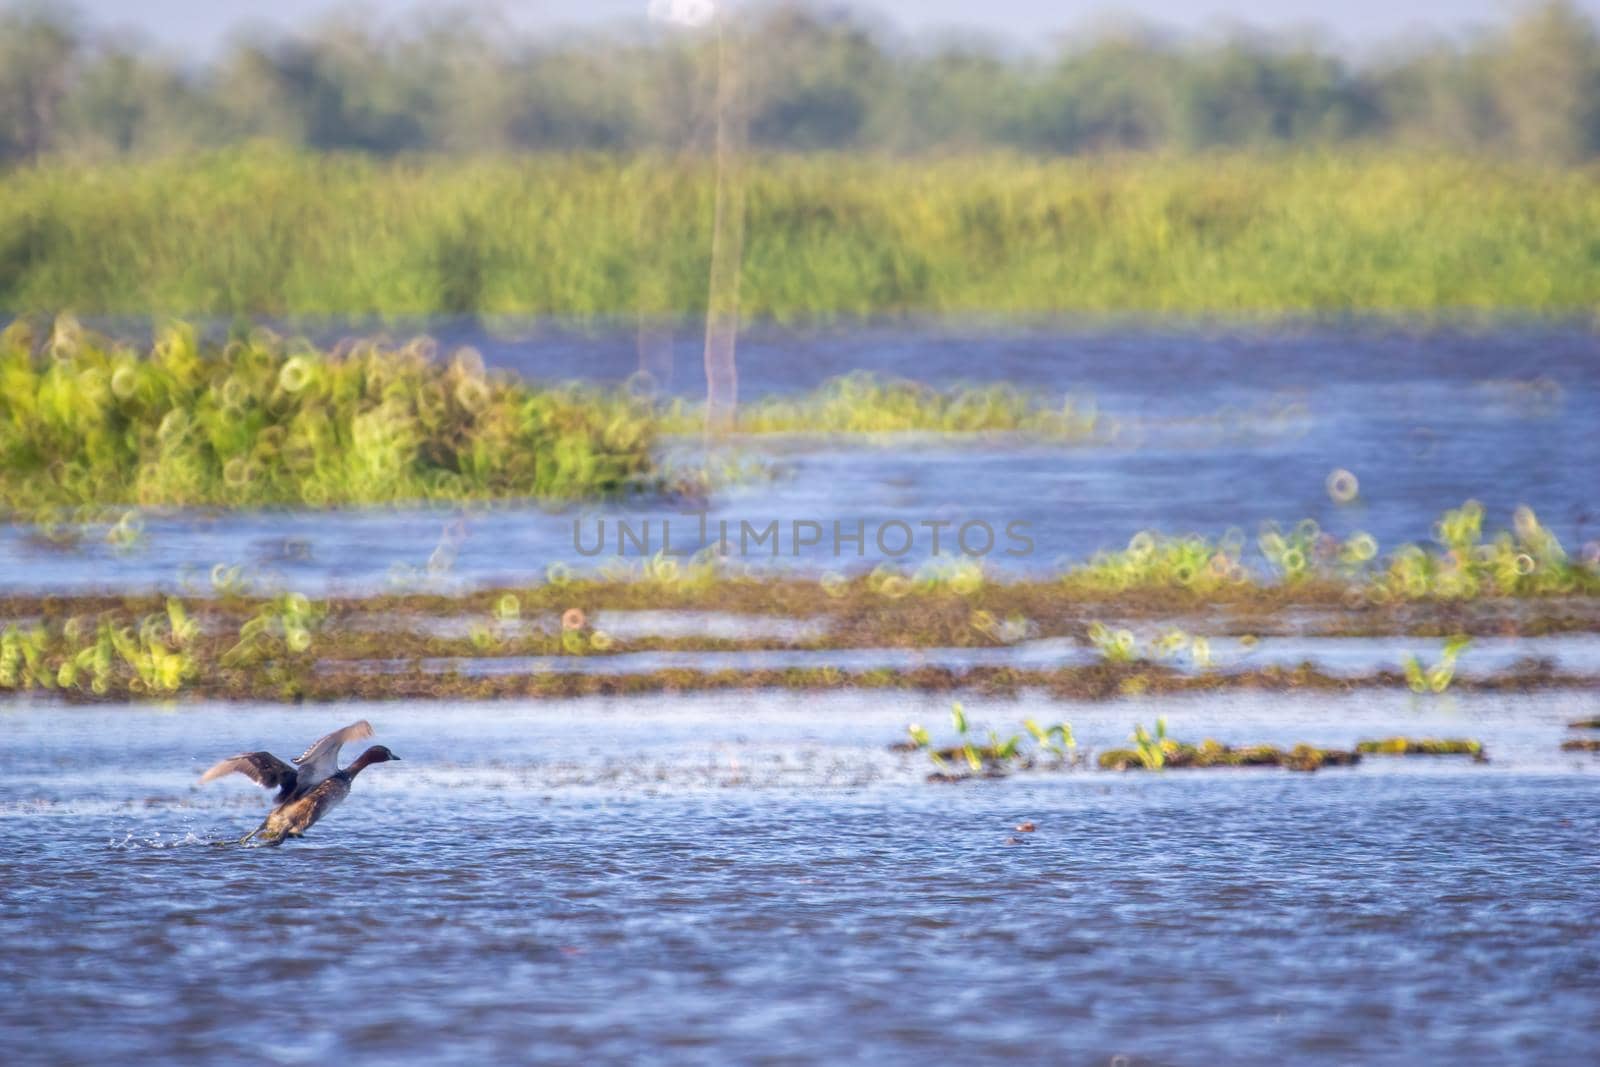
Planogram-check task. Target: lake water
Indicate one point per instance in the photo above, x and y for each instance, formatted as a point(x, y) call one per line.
point(756, 878)
point(1214, 428)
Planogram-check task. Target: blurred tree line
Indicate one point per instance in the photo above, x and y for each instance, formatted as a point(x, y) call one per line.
point(819, 80)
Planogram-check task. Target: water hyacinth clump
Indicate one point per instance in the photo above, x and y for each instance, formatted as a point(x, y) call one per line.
point(1157, 752)
point(154, 657)
point(1525, 560)
point(261, 421)
point(990, 753)
point(1153, 560)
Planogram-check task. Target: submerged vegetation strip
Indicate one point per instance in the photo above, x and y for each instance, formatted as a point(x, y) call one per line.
point(992, 754)
point(1177, 755)
point(274, 660)
point(1519, 581)
point(263, 231)
point(1425, 746)
point(289, 647)
point(989, 753)
point(1154, 752)
point(1513, 581)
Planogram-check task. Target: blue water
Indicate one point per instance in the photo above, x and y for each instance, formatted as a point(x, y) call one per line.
point(757, 879)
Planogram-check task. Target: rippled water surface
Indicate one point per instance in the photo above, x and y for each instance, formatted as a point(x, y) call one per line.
point(756, 878)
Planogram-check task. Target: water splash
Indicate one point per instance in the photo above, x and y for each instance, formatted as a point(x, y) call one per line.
point(132, 841)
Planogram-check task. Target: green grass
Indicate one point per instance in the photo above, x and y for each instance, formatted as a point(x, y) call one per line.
point(265, 231)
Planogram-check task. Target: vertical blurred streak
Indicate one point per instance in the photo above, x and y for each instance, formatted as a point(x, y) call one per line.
point(654, 345)
point(727, 243)
point(655, 202)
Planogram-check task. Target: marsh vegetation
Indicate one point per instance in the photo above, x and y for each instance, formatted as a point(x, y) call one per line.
point(268, 232)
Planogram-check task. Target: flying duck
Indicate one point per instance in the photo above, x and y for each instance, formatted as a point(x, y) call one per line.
point(311, 787)
point(297, 816)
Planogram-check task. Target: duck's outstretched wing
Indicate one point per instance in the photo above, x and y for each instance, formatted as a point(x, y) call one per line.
point(321, 760)
point(263, 768)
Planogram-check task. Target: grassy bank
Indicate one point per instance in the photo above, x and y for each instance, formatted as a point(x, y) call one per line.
point(267, 232)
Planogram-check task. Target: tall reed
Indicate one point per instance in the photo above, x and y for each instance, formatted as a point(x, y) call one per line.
point(266, 231)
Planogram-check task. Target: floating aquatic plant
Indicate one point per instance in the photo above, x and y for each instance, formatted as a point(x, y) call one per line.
point(1162, 753)
point(262, 420)
point(1152, 750)
point(153, 657)
point(1412, 746)
point(992, 754)
point(1436, 679)
point(1526, 560)
point(1121, 646)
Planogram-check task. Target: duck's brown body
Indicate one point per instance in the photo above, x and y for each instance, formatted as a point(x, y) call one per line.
point(297, 815)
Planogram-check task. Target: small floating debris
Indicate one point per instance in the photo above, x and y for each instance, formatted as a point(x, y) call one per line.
point(1412, 746)
point(1584, 724)
point(1025, 827)
point(1179, 755)
point(1586, 744)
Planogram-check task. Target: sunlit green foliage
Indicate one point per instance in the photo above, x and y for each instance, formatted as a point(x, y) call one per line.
point(1436, 679)
point(1526, 560)
point(1152, 750)
point(152, 658)
point(1152, 559)
point(1120, 646)
point(991, 754)
point(260, 231)
point(243, 645)
point(283, 626)
point(262, 421)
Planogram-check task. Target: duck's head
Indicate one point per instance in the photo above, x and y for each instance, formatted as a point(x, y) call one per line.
point(377, 754)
